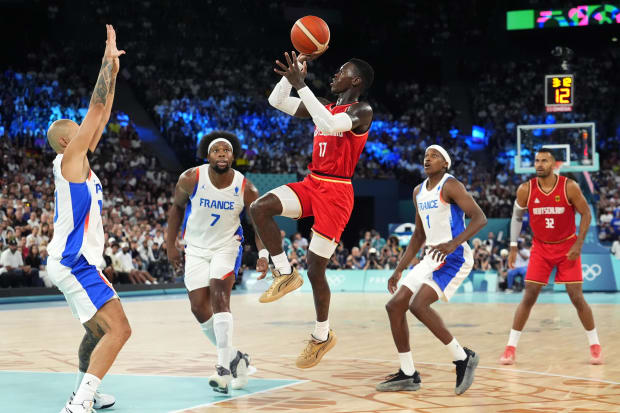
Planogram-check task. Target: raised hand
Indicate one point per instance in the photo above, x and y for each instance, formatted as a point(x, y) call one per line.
point(110, 44)
point(111, 51)
point(312, 56)
point(295, 72)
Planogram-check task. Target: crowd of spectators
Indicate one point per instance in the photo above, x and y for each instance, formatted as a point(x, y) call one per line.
point(191, 89)
point(137, 195)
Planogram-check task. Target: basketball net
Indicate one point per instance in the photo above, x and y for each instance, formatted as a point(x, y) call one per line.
point(558, 166)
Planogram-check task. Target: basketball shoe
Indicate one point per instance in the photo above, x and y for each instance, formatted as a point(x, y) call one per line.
point(595, 354)
point(239, 367)
point(315, 350)
point(220, 381)
point(101, 401)
point(509, 355)
point(400, 381)
point(85, 407)
point(282, 284)
point(465, 371)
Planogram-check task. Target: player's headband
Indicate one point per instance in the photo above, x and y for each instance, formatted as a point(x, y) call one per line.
point(443, 153)
point(216, 141)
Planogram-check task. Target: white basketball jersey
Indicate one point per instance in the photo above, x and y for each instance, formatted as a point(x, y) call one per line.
point(213, 216)
point(78, 229)
point(442, 221)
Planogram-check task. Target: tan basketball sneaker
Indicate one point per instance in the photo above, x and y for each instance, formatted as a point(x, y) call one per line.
point(281, 285)
point(315, 350)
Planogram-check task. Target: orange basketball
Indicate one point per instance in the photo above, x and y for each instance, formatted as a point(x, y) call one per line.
point(310, 34)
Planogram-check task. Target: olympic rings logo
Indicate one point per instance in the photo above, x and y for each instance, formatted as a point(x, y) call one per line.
point(335, 280)
point(590, 272)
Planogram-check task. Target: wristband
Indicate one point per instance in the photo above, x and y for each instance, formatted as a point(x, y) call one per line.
point(514, 244)
point(263, 254)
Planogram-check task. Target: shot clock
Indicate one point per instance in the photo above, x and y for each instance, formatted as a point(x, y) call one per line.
point(559, 92)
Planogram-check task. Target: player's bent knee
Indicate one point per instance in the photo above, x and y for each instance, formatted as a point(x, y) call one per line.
point(283, 201)
point(392, 307)
point(124, 331)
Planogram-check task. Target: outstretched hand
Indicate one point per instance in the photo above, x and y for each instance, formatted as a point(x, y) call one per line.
point(295, 72)
point(111, 51)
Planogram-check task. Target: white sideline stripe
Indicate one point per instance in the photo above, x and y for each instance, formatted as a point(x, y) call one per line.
point(227, 399)
point(310, 36)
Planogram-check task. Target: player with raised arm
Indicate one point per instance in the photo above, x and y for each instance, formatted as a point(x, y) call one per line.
point(441, 203)
point(341, 131)
point(76, 249)
point(209, 201)
point(551, 201)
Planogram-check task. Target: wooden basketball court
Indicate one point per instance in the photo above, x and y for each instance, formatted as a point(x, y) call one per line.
point(552, 373)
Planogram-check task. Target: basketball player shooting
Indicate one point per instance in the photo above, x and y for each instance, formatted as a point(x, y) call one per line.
point(551, 201)
point(76, 249)
point(211, 199)
point(441, 203)
point(341, 130)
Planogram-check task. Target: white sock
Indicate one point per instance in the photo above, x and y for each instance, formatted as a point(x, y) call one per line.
point(223, 327)
point(281, 263)
point(592, 337)
point(513, 339)
point(456, 350)
point(78, 380)
point(87, 389)
point(321, 330)
point(406, 363)
point(207, 329)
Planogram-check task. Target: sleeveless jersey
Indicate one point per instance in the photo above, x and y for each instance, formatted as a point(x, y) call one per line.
point(213, 216)
point(552, 217)
point(336, 155)
point(78, 229)
point(442, 222)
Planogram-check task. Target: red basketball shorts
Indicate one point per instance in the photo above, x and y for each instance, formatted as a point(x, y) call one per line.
point(329, 200)
point(544, 257)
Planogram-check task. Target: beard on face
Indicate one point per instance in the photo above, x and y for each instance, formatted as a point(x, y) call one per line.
point(219, 170)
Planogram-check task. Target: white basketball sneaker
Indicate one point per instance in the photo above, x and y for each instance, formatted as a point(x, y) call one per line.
point(220, 381)
point(85, 407)
point(239, 368)
point(101, 400)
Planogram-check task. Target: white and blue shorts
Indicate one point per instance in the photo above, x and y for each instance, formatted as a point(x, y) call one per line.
point(202, 265)
point(83, 285)
point(443, 277)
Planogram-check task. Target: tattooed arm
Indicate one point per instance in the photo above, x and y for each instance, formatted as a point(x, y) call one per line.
point(109, 97)
point(74, 163)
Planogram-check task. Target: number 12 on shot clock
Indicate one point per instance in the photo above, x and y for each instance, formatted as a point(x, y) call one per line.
point(559, 92)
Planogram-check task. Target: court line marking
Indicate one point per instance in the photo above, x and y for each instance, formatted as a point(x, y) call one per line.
point(242, 396)
point(134, 375)
point(480, 367)
point(295, 382)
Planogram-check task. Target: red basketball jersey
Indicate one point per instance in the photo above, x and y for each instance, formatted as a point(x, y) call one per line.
point(552, 217)
point(336, 155)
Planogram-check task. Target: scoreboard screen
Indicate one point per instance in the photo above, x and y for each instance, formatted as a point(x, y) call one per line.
point(559, 93)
